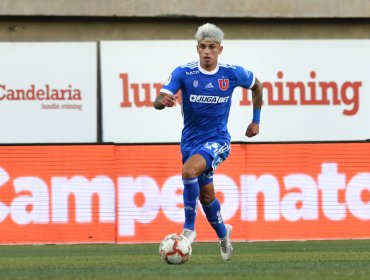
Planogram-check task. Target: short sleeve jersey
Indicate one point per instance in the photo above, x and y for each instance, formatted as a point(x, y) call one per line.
point(206, 100)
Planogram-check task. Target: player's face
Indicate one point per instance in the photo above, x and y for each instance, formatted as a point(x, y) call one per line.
point(208, 54)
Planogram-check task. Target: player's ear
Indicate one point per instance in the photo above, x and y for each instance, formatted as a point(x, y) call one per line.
point(220, 50)
point(197, 47)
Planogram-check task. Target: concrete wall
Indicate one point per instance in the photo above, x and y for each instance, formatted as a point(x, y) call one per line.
point(75, 29)
point(94, 20)
point(195, 8)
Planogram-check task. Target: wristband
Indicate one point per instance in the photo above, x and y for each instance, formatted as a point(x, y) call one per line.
point(256, 115)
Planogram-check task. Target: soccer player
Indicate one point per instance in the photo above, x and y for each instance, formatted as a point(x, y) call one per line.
point(206, 86)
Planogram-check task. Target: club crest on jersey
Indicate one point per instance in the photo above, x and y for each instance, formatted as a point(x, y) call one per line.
point(195, 84)
point(223, 84)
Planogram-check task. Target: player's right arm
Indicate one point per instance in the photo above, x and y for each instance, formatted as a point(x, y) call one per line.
point(166, 96)
point(164, 100)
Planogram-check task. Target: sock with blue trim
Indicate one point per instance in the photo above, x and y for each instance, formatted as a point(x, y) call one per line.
point(191, 197)
point(213, 214)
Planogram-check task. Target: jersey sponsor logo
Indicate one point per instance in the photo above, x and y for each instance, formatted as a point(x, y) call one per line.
point(208, 99)
point(223, 84)
point(192, 72)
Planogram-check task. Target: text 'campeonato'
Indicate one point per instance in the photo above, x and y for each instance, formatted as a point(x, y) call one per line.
point(36, 202)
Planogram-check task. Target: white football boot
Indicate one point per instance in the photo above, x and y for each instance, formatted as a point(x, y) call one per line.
point(225, 244)
point(189, 234)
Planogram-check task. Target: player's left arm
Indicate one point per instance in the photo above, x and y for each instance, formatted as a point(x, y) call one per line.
point(253, 127)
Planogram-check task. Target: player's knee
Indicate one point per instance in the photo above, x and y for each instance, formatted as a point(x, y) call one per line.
point(189, 171)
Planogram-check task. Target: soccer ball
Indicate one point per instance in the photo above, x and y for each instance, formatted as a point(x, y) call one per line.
point(175, 249)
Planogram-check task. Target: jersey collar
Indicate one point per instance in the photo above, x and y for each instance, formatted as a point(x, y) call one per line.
point(214, 71)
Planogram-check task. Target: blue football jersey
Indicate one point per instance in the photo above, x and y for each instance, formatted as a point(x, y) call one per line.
point(206, 100)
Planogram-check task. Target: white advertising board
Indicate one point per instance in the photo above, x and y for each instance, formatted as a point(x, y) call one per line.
point(314, 90)
point(48, 92)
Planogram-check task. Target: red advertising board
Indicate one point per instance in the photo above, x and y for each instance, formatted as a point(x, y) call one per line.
point(133, 193)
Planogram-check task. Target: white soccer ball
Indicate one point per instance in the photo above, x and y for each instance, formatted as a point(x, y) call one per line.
point(175, 249)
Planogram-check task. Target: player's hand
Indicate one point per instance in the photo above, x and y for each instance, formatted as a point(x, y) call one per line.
point(169, 100)
point(164, 100)
point(252, 130)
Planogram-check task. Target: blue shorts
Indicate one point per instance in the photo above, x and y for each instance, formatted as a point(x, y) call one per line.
point(214, 153)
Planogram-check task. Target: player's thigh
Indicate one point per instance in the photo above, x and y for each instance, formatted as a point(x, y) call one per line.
point(194, 166)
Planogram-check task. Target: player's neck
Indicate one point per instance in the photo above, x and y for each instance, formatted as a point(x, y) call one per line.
point(211, 69)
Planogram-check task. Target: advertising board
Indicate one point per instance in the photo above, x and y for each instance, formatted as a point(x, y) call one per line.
point(314, 90)
point(48, 92)
point(133, 193)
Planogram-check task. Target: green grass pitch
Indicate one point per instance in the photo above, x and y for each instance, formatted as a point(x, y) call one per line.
point(348, 259)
